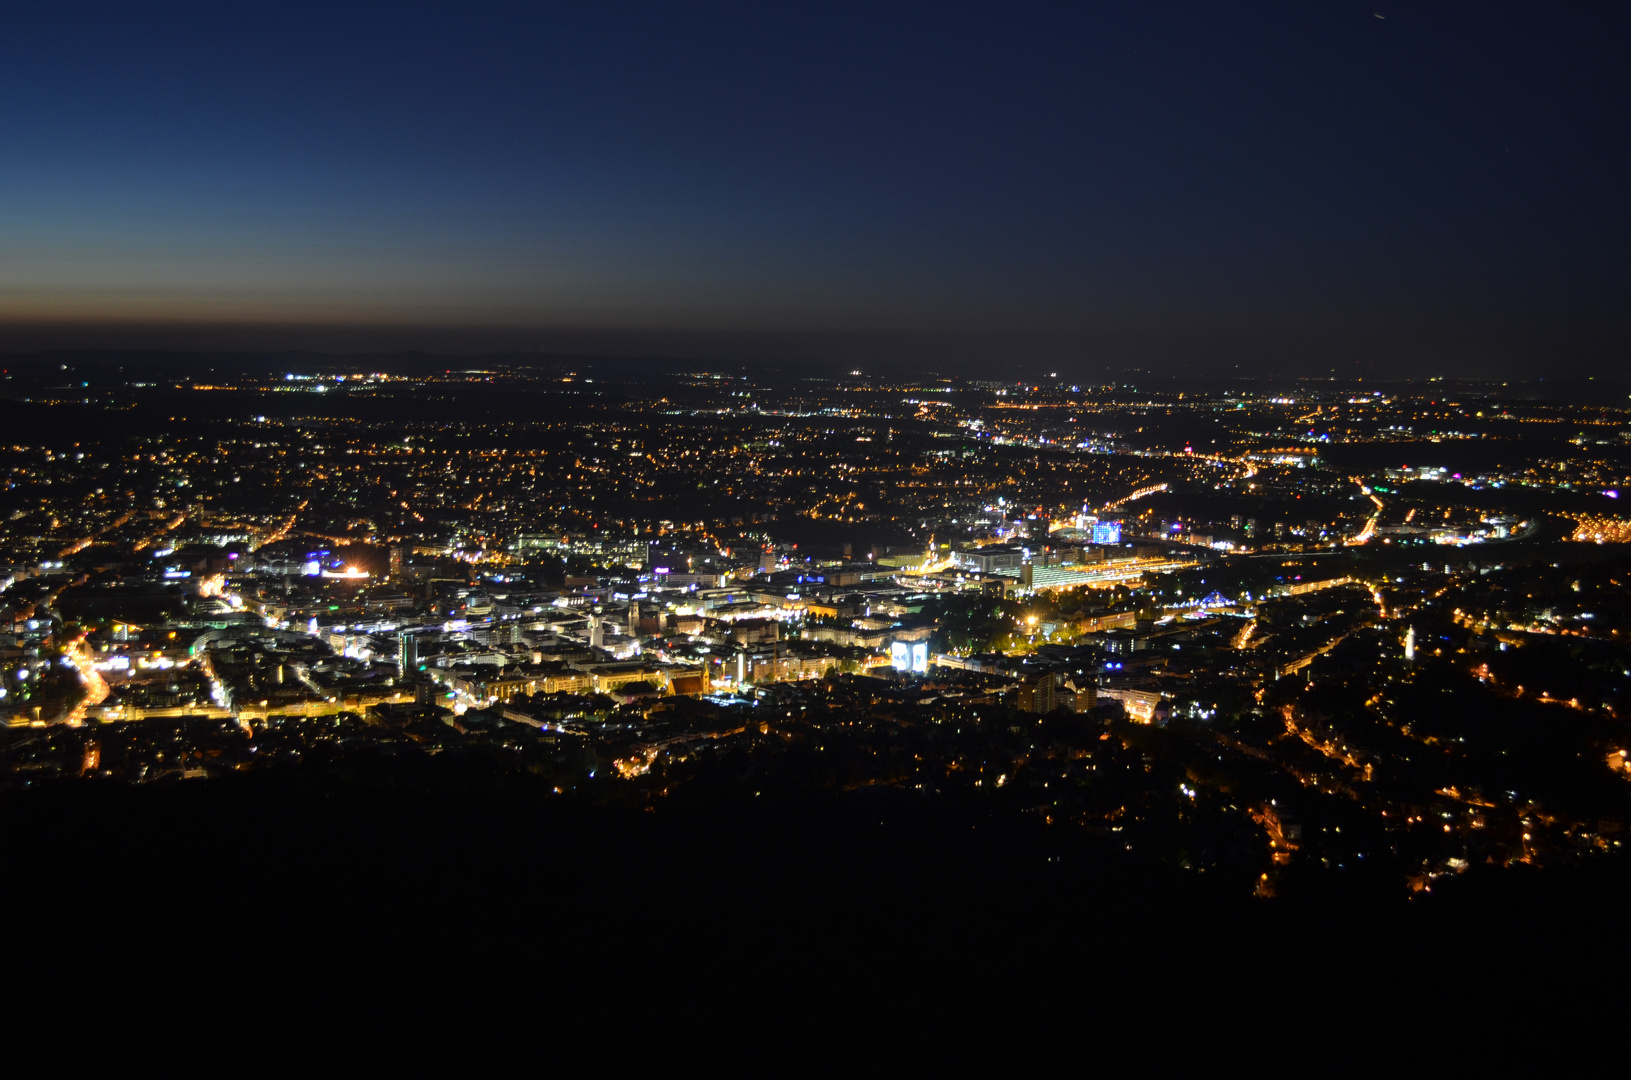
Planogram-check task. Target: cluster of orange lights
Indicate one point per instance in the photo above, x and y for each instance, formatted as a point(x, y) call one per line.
point(1597, 529)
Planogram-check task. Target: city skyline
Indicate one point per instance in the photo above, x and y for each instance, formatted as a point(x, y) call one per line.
point(1090, 528)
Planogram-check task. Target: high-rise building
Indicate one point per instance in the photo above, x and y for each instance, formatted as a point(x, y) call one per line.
point(407, 654)
point(1040, 694)
point(1107, 532)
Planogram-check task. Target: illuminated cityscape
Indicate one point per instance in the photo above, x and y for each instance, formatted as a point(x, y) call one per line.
point(914, 533)
point(1217, 629)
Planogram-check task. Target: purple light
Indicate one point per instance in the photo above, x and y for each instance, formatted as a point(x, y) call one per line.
point(1612, 494)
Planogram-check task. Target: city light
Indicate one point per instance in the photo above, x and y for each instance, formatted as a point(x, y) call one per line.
point(828, 571)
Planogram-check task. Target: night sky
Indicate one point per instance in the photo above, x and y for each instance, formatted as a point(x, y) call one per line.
point(1299, 187)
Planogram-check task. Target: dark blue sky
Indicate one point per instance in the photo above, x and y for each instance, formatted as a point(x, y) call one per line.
point(1184, 186)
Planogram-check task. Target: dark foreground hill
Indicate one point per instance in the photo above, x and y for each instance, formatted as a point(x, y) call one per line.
point(870, 913)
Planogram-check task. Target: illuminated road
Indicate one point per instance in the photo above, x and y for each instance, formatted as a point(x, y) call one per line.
point(283, 530)
point(96, 687)
point(1365, 534)
point(169, 526)
point(25, 613)
point(1139, 494)
point(1243, 639)
point(86, 541)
